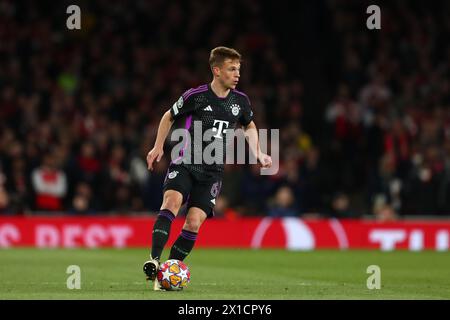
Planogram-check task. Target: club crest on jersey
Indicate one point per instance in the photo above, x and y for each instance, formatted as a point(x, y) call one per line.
point(173, 174)
point(215, 189)
point(235, 108)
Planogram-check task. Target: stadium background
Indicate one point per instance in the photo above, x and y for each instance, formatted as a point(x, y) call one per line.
point(365, 138)
point(364, 118)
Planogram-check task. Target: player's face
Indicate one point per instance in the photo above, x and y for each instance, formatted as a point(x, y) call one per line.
point(229, 73)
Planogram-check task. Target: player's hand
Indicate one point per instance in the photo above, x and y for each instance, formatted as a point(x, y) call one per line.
point(154, 154)
point(265, 160)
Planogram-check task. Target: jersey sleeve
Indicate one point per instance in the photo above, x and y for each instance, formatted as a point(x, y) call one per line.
point(247, 113)
point(184, 105)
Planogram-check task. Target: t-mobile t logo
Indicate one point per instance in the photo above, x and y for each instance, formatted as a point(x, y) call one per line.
point(219, 130)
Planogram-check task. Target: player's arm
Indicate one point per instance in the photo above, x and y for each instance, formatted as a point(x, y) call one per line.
point(251, 133)
point(163, 130)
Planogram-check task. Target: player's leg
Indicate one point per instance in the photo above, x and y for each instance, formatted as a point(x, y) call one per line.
point(161, 229)
point(201, 206)
point(176, 188)
point(186, 240)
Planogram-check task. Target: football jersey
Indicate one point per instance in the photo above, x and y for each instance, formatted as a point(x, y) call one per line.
point(199, 110)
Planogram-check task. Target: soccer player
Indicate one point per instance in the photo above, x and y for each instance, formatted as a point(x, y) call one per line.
point(219, 107)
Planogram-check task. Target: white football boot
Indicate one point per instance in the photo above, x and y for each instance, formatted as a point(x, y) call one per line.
point(151, 268)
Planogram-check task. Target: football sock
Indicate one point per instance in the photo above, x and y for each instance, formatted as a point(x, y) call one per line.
point(161, 231)
point(183, 245)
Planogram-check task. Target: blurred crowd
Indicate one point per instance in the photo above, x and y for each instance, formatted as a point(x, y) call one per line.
point(389, 122)
point(80, 109)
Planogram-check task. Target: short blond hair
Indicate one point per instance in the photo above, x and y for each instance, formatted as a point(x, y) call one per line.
point(220, 54)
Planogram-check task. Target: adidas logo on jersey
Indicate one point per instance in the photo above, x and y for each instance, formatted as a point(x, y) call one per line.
point(208, 108)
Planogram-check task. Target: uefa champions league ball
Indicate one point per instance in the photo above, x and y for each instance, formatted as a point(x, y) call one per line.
point(173, 275)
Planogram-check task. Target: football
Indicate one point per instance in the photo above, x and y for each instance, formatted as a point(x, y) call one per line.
point(173, 275)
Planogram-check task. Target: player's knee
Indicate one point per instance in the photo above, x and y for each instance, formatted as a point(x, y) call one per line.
point(172, 203)
point(192, 224)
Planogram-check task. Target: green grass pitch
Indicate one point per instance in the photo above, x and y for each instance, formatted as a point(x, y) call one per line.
point(227, 274)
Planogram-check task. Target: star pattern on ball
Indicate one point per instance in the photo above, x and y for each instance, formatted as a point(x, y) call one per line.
point(165, 275)
point(183, 274)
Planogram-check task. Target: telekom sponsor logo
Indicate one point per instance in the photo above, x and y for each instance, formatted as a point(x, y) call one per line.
point(389, 238)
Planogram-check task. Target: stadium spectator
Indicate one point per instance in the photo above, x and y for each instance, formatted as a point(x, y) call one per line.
point(254, 188)
point(88, 165)
point(49, 185)
point(283, 204)
point(341, 207)
point(83, 201)
point(4, 197)
point(382, 211)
